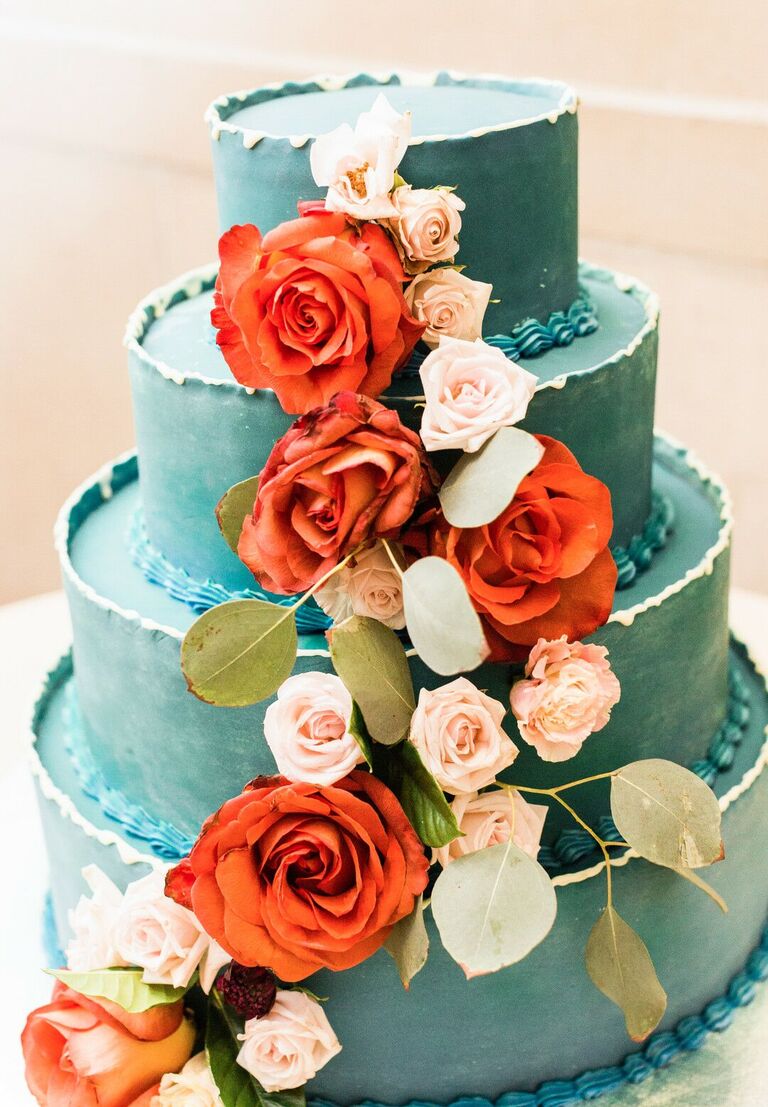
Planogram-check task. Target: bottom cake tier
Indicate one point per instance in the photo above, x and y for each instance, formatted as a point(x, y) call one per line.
point(537, 1034)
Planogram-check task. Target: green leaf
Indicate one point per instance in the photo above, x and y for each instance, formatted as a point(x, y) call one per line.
point(233, 507)
point(694, 878)
point(442, 623)
point(428, 811)
point(237, 1088)
point(359, 732)
point(239, 652)
point(408, 944)
point(125, 987)
point(481, 485)
point(621, 967)
point(492, 907)
point(371, 661)
point(667, 814)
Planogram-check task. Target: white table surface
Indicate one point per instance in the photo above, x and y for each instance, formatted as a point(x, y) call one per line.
point(730, 1071)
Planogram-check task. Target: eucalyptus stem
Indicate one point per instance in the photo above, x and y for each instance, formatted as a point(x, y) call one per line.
point(323, 580)
point(593, 834)
point(398, 568)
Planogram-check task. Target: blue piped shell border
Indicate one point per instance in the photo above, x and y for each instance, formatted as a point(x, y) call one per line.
point(201, 595)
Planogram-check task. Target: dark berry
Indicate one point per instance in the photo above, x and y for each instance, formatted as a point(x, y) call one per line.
point(249, 991)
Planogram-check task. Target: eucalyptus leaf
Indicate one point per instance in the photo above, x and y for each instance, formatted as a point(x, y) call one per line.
point(239, 652)
point(620, 966)
point(422, 799)
point(237, 1087)
point(492, 907)
point(125, 987)
point(693, 877)
point(371, 661)
point(408, 944)
point(481, 485)
point(442, 623)
point(233, 507)
point(359, 732)
point(667, 814)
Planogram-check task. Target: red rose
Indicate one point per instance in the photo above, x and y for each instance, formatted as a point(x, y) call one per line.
point(543, 568)
point(314, 307)
point(82, 1053)
point(340, 475)
point(297, 878)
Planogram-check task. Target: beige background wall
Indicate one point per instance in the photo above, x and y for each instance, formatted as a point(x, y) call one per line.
point(105, 192)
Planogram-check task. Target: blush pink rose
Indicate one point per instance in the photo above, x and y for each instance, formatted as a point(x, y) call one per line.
point(451, 304)
point(192, 1087)
point(307, 729)
point(93, 923)
point(426, 225)
point(567, 695)
point(457, 731)
point(491, 818)
point(287, 1047)
point(368, 585)
point(80, 1053)
point(471, 390)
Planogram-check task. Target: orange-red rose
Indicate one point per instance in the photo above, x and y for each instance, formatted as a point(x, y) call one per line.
point(543, 568)
point(339, 476)
point(299, 878)
point(314, 307)
point(82, 1053)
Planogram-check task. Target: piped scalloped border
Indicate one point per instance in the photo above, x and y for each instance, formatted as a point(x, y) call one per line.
point(218, 112)
point(116, 474)
point(196, 281)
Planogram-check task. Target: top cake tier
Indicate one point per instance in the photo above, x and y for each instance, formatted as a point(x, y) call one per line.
point(510, 146)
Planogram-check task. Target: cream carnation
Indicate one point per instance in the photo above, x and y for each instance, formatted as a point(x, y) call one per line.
point(163, 938)
point(307, 729)
point(457, 731)
point(358, 166)
point(426, 225)
point(290, 1045)
point(368, 585)
point(567, 695)
point(93, 922)
point(471, 390)
point(192, 1087)
point(491, 818)
point(452, 305)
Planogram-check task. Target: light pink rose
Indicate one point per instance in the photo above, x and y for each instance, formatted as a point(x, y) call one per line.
point(163, 938)
point(367, 585)
point(290, 1045)
point(192, 1087)
point(457, 731)
point(491, 818)
point(426, 225)
point(568, 695)
point(307, 729)
point(92, 922)
point(452, 305)
point(471, 390)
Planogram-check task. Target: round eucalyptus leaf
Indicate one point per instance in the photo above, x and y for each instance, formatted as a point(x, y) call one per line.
point(442, 623)
point(620, 965)
point(233, 507)
point(481, 485)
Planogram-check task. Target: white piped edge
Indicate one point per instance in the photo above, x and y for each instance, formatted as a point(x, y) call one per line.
point(625, 617)
point(567, 104)
point(129, 855)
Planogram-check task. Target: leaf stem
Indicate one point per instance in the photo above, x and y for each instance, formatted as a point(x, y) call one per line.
point(603, 845)
point(398, 568)
point(323, 580)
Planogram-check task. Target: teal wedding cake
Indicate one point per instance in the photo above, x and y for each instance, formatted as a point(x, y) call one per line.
point(403, 755)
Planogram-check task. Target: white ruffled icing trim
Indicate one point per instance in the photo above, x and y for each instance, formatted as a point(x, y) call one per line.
point(129, 855)
point(567, 104)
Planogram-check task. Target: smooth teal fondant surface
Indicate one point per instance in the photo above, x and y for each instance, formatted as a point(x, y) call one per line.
point(519, 184)
point(540, 1020)
point(140, 717)
point(195, 440)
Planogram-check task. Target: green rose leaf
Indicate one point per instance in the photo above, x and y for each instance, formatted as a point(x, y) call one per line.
point(481, 485)
point(428, 811)
point(239, 652)
point(359, 732)
point(621, 967)
point(125, 987)
point(408, 944)
point(237, 1088)
point(371, 661)
point(667, 814)
point(693, 877)
point(492, 907)
point(442, 623)
point(233, 507)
